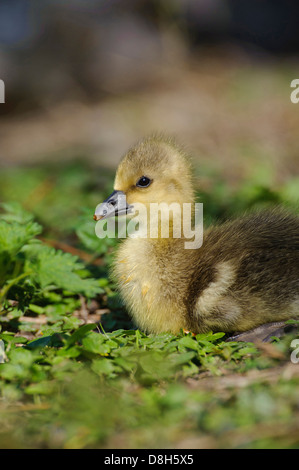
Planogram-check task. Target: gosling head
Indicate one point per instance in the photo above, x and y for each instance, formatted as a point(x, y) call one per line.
point(153, 171)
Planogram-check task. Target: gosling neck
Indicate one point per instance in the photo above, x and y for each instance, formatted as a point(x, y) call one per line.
point(164, 224)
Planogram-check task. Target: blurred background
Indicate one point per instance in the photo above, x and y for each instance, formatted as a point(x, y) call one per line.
point(86, 79)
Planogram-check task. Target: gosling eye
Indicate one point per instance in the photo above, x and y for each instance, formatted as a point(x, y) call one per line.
point(143, 182)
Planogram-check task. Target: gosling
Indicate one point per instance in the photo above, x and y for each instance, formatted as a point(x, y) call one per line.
point(245, 274)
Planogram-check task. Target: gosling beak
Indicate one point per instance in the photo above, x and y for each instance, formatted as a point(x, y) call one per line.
point(114, 205)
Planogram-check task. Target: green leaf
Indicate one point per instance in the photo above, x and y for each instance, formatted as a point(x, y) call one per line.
point(14, 212)
point(105, 367)
point(13, 236)
point(40, 388)
point(189, 342)
point(54, 267)
point(94, 343)
point(9, 337)
point(183, 358)
point(40, 342)
point(80, 333)
point(36, 309)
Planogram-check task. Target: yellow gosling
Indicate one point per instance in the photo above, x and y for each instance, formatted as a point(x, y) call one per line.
point(245, 274)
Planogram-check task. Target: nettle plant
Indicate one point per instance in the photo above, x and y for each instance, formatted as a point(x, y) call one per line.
point(33, 273)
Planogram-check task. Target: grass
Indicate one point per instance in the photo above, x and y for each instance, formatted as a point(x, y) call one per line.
point(78, 374)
